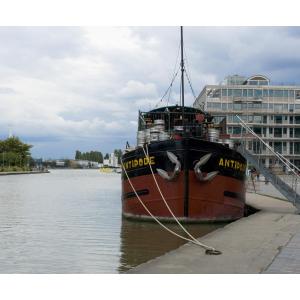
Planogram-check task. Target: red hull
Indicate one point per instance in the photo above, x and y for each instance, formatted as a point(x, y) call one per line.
point(208, 201)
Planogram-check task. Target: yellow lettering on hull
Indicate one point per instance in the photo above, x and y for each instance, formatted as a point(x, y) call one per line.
point(141, 162)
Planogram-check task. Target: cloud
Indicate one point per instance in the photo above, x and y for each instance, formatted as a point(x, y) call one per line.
point(68, 88)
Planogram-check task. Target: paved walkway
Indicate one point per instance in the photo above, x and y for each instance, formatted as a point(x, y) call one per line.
point(266, 242)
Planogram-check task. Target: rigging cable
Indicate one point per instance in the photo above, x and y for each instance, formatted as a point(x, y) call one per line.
point(172, 81)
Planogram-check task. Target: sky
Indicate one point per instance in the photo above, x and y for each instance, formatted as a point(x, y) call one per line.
point(64, 89)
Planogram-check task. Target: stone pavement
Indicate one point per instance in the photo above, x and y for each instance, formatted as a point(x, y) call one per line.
point(260, 243)
point(288, 260)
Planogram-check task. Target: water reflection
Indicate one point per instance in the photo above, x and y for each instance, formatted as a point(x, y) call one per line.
point(143, 241)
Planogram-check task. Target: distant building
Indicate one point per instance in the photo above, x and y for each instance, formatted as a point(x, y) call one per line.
point(60, 163)
point(272, 111)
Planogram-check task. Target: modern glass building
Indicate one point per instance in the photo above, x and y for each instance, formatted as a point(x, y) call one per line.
point(272, 111)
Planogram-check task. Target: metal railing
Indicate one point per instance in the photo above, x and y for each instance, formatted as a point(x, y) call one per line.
point(281, 172)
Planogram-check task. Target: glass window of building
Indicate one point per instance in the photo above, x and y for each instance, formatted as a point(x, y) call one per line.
point(224, 106)
point(291, 147)
point(265, 93)
point(278, 107)
point(291, 120)
point(297, 119)
point(224, 92)
point(285, 93)
point(237, 106)
point(284, 147)
point(297, 94)
point(277, 132)
point(296, 147)
point(230, 106)
point(264, 130)
point(216, 93)
point(250, 93)
point(265, 118)
point(278, 93)
point(216, 105)
point(278, 119)
point(291, 109)
point(291, 94)
point(271, 106)
point(265, 106)
point(284, 130)
point(270, 130)
point(257, 119)
point(257, 130)
point(278, 147)
point(291, 132)
point(296, 132)
point(236, 130)
point(237, 93)
point(285, 107)
point(257, 93)
point(297, 106)
point(250, 119)
point(271, 93)
point(245, 93)
point(257, 105)
point(229, 92)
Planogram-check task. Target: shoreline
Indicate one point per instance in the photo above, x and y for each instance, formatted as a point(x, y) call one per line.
point(22, 173)
point(251, 245)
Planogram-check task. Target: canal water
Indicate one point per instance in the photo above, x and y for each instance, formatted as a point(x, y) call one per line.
point(69, 221)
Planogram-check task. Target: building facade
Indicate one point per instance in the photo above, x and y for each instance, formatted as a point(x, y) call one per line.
point(272, 111)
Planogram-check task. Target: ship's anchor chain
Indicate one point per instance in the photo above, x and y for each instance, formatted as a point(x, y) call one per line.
point(164, 174)
point(203, 160)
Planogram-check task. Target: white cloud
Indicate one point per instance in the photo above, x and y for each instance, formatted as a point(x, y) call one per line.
point(86, 84)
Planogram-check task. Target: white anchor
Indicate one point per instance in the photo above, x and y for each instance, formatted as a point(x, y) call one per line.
point(203, 160)
point(164, 174)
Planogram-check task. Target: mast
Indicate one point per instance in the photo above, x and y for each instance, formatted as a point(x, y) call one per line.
point(182, 78)
point(185, 141)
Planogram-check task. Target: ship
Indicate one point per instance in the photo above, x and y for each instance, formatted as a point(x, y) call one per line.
point(184, 166)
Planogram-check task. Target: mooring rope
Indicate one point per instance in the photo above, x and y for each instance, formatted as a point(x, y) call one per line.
point(171, 212)
point(209, 250)
point(149, 212)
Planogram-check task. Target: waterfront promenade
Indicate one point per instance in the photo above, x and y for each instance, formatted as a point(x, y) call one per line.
point(265, 242)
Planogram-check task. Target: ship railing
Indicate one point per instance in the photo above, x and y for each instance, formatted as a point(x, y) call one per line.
point(276, 168)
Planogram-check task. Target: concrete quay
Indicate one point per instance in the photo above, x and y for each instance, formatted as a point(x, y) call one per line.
point(265, 242)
